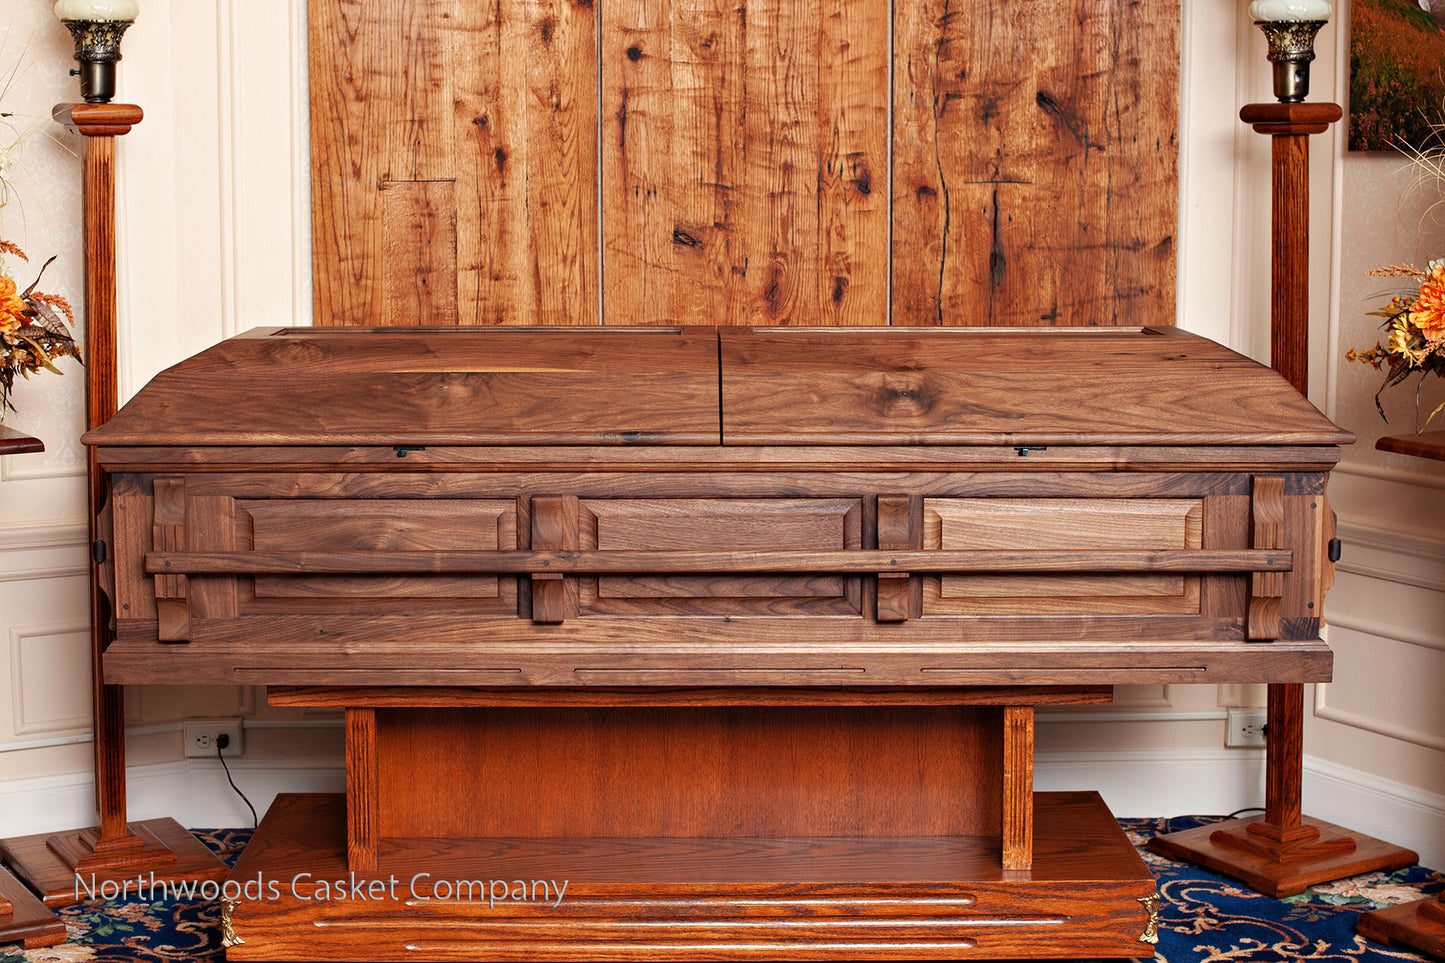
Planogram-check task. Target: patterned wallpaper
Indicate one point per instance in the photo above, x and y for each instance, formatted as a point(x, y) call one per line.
point(43, 212)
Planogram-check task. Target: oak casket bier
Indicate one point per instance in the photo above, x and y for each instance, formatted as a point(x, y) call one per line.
point(694, 506)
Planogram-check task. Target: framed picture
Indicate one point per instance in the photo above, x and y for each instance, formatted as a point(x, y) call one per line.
point(1397, 73)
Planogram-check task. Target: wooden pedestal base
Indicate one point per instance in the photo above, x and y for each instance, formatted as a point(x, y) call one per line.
point(1281, 864)
point(920, 897)
point(1419, 925)
point(50, 862)
point(25, 918)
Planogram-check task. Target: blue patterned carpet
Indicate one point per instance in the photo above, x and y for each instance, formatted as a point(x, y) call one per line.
point(1203, 917)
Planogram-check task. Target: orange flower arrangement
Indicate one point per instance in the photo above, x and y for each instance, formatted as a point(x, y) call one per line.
point(32, 335)
point(1414, 328)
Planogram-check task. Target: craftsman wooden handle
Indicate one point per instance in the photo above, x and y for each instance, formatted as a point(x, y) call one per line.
point(862, 562)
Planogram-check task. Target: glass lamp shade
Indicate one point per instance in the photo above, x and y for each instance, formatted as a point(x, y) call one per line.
point(1279, 11)
point(114, 11)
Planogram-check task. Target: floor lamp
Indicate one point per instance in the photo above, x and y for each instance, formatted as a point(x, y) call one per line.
point(59, 866)
point(1282, 852)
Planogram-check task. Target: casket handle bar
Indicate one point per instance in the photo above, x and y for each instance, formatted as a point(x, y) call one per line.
point(857, 562)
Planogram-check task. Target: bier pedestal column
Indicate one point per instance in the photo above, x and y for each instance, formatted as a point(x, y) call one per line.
point(116, 849)
point(1283, 852)
point(24, 918)
point(1421, 924)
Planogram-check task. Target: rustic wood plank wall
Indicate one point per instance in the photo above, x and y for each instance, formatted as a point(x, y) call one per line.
point(744, 161)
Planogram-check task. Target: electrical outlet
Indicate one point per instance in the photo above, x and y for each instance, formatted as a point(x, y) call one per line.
point(201, 737)
point(1244, 728)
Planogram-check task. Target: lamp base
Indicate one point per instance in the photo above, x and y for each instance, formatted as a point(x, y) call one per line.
point(64, 868)
point(1281, 862)
point(1291, 49)
point(97, 49)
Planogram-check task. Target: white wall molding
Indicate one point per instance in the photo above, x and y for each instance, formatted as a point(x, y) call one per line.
point(1392, 555)
point(192, 791)
point(1366, 803)
point(1426, 638)
point(1395, 476)
point(26, 537)
point(1047, 716)
point(300, 104)
point(1373, 723)
point(31, 471)
point(39, 574)
point(1159, 781)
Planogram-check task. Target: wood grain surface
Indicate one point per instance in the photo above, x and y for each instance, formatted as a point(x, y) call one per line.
point(1034, 162)
point(689, 772)
point(553, 386)
point(1277, 875)
point(24, 919)
point(702, 385)
point(1419, 925)
point(745, 162)
point(731, 161)
point(13, 442)
point(454, 162)
point(1426, 444)
point(396, 697)
point(715, 898)
point(1052, 387)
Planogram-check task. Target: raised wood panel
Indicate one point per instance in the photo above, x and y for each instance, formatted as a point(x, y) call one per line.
point(690, 772)
point(454, 161)
point(1041, 524)
point(371, 524)
point(728, 525)
point(744, 161)
point(741, 154)
point(1035, 161)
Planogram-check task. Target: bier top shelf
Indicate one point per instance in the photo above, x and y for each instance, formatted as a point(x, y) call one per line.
point(717, 386)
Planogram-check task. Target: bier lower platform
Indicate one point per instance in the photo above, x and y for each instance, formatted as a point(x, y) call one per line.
point(914, 897)
point(680, 824)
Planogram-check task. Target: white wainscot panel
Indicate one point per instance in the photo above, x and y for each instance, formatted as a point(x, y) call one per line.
point(1388, 686)
point(49, 678)
point(44, 646)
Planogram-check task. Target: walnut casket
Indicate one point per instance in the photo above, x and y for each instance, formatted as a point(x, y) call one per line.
point(696, 506)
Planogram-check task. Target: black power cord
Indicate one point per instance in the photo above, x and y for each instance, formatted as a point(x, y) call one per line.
point(222, 741)
point(1169, 822)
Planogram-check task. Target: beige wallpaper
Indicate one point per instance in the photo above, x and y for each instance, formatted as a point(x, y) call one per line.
point(42, 214)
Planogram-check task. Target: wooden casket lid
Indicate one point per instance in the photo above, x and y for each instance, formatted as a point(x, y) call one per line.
point(438, 386)
point(996, 386)
point(660, 386)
